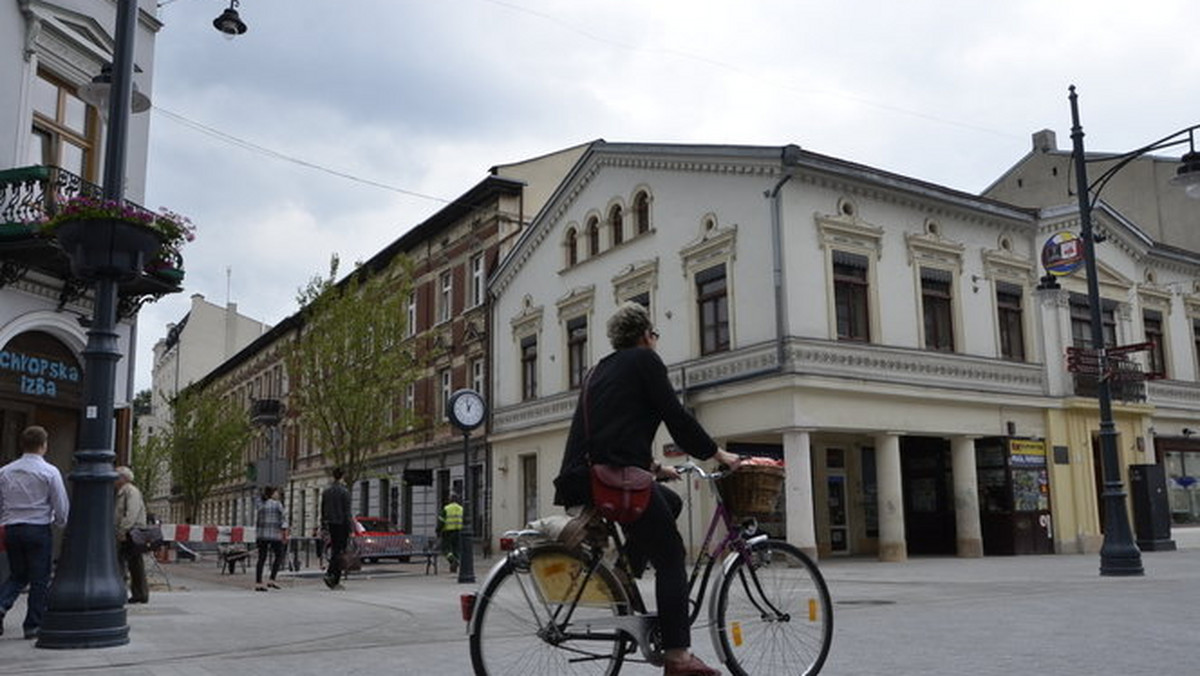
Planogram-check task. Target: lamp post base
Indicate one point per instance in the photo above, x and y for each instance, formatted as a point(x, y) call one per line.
point(84, 629)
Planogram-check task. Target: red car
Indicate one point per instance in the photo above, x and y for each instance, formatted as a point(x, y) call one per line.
point(376, 538)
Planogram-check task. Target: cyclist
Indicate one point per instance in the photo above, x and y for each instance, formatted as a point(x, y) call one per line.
point(628, 396)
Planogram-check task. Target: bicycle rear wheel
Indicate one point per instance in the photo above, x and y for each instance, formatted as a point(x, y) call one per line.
point(774, 614)
point(519, 626)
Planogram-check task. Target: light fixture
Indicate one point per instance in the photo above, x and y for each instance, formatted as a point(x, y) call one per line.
point(99, 89)
point(229, 23)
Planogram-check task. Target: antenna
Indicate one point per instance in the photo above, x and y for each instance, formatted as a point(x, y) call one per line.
point(228, 284)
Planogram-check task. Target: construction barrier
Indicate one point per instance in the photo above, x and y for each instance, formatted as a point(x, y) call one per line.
point(187, 533)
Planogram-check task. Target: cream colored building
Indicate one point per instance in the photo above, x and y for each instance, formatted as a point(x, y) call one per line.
point(876, 332)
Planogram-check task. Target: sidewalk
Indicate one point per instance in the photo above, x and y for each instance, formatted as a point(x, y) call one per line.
point(1051, 615)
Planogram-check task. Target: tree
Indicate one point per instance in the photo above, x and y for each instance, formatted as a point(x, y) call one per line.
point(348, 367)
point(205, 441)
point(150, 461)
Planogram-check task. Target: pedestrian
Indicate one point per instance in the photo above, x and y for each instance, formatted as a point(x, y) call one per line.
point(449, 527)
point(270, 533)
point(32, 497)
point(130, 511)
point(335, 518)
point(625, 398)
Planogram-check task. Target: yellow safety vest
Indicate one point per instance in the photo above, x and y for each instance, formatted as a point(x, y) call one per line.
point(453, 517)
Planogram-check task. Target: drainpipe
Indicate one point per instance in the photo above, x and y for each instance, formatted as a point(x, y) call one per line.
point(789, 158)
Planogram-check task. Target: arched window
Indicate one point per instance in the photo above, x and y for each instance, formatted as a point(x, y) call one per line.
point(593, 233)
point(572, 245)
point(616, 224)
point(641, 213)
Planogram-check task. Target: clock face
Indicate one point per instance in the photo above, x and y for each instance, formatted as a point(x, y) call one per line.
point(467, 409)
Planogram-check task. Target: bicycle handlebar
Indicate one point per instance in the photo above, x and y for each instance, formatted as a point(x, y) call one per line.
point(690, 467)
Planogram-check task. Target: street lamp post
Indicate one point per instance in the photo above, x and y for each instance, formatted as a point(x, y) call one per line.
point(1119, 556)
point(87, 600)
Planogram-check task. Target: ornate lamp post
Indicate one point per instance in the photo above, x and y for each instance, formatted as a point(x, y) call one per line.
point(1118, 555)
point(87, 600)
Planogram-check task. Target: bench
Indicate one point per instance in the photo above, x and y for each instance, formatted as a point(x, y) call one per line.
point(230, 555)
point(423, 547)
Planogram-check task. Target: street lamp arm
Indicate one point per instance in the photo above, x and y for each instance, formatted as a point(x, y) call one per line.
point(1180, 137)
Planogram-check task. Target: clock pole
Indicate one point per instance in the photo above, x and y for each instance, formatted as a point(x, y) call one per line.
point(466, 555)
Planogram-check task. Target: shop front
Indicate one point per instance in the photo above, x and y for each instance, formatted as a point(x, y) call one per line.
point(41, 383)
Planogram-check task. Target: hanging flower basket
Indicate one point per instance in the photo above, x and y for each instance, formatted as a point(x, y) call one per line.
point(107, 247)
point(10, 232)
point(116, 239)
point(167, 266)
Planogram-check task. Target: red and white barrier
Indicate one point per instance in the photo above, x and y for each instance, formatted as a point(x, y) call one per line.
point(187, 533)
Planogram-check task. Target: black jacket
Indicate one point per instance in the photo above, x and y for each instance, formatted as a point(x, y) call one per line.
point(335, 505)
point(628, 396)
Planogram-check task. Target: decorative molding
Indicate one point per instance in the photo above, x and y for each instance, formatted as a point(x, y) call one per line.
point(578, 301)
point(715, 245)
point(634, 279)
point(1173, 394)
point(1001, 264)
point(529, 321)
point(544, 411)
point(848, 232)
point(933, 250)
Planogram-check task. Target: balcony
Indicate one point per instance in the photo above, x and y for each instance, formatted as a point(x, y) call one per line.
point(30, 195)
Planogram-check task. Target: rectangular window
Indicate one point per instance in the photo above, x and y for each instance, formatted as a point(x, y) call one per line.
point(936, 304)
point(478, 280)
point(444, 400)
point(477, 377)
point(445, 296)
point(529, 487)
point(410, 403)
point(577, 335)
point(1081, 322)
point(850, 289)
point(1009, 319)
point(65, 130)
point(529, 368)
point(410, 319)
point(1156, 361)
point(713, 308)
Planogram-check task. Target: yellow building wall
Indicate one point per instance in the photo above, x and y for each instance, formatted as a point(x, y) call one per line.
point(1074, 492)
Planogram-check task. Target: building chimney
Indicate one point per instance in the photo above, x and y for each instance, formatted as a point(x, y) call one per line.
point(1045, 141)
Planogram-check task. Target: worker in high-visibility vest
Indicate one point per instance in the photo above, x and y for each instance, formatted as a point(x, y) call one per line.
point(450, 523)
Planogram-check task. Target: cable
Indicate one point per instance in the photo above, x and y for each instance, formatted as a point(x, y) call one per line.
point(263, 150)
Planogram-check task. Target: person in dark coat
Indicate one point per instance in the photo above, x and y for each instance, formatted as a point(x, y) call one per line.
point(335, 518)
point(628, 395)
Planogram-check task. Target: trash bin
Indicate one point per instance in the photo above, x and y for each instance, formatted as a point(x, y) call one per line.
point(1151, 511)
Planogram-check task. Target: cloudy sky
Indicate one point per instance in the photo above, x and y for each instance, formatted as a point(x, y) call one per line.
point(334, 126)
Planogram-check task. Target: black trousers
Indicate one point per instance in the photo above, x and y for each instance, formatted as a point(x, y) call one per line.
point(339, 535)
point(656, 538)
point(276, 549)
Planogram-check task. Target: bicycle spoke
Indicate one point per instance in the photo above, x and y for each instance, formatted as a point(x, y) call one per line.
point(774, 613)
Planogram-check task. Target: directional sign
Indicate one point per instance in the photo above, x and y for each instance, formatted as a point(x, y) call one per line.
point(1126, 349)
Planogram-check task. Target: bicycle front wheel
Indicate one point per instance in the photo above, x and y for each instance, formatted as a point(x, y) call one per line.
point(774, 614)
point(531, 617)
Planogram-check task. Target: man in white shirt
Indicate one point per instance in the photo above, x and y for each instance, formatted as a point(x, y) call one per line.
point(32, 497)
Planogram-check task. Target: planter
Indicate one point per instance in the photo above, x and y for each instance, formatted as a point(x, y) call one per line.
point(107, 248)
point(14, 231)
point(172, 275)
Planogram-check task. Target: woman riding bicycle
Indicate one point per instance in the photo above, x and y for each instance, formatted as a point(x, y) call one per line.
point(628, 394)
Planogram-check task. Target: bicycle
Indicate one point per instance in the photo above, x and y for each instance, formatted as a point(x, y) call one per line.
point(548, 609)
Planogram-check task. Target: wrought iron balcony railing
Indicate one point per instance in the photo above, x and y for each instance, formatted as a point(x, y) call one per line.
point(30, 196)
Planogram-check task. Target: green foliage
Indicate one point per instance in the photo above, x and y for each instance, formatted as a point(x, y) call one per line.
point(149, 460)
point(205, 445)
point(349, 367)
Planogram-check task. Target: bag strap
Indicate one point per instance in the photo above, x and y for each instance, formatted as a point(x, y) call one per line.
point(587, 427)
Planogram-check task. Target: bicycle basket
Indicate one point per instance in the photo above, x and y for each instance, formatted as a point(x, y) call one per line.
point(752, 490)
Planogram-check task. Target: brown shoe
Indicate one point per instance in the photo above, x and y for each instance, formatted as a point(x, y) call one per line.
point(692, 666)
point(587, 526)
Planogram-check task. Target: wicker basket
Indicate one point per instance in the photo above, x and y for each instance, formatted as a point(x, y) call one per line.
point(753, 489)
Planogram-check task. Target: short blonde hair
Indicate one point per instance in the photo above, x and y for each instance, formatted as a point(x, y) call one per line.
point(628, 324)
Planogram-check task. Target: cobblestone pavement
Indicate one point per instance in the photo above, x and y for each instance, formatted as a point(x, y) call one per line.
point(1030, 614)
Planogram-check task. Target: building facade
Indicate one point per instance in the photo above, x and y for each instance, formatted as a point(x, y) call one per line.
point(51, 148)
point(1148, 282)
point(453, 253)
point(887, 338)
